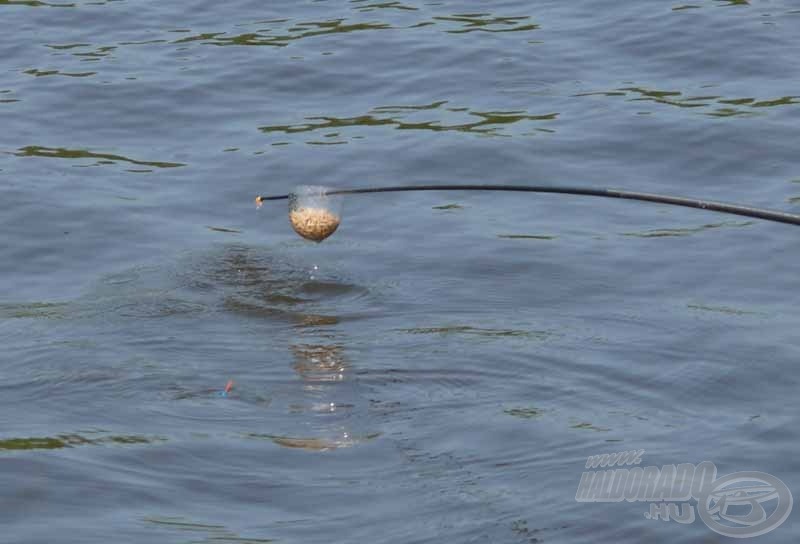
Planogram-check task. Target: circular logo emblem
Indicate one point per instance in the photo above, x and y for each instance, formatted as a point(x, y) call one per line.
point(734, 505)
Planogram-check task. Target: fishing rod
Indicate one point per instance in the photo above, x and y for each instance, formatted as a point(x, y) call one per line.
point(711, 205)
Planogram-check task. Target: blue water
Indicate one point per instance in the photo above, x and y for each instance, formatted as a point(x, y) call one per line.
point(440, 369)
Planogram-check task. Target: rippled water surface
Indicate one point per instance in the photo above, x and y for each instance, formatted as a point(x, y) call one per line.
point(440, 369)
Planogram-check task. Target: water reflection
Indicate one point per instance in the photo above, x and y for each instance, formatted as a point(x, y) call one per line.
point(383, 5)
point(688, 231)
point(297, 32)
point(218, 534)
point(72, 440)
point(33, 310)
point(104, 158)
point(39, 3)
point(316, 444)
point(39, 73)
point(485, 22)
point(319, 362)
point(719, 3)
point(7, 100)
point(282, 32)
point(255, 284)
point(481, 332)
point(34, 4)
point(433, 117)
point(710, 105)
point(275, 32)
point(327, 396)
point(323, 409)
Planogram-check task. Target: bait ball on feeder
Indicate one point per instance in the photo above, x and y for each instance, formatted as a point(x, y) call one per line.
point(313, 213)
point(314, 223)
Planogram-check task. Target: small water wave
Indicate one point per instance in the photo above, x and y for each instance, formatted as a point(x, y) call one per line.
point(210, 533)
point(102, 158)
point(432, 117)
point(75, 440)
point(686, 231)
point(707, 104)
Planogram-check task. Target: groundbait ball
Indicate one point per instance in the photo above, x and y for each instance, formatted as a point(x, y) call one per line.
point(314, 223)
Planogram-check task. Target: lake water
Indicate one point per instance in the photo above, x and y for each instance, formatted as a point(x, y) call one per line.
point(441, 368)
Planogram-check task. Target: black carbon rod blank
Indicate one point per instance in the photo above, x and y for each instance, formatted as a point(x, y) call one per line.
point(722, 207)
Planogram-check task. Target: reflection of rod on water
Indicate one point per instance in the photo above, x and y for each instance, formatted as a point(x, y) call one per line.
point(319, 363)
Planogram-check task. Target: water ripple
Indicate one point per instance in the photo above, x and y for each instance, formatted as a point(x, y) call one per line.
point(34, 4)
point(104, 158)
point(39, 73)
point(297, 32)
point(383, 5)
point(490, 123)
point(210, 533)
point(710, 105)
point(485, 22)
point(72, 440)
point(660, 233)
point(282, 32)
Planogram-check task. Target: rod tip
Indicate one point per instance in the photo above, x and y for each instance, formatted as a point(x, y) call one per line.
point(259, 201)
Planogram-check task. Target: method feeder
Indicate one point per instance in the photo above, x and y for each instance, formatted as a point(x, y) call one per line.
point(315, 216)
